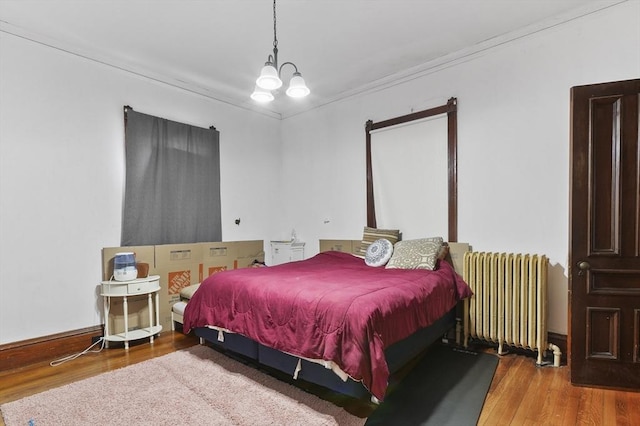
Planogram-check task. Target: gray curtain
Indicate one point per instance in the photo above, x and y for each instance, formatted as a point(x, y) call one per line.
point(172, 189)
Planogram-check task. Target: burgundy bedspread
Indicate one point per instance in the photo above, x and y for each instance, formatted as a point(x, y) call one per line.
point(331, 307)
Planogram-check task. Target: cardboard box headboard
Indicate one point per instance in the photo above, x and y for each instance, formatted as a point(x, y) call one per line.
point(457, 251)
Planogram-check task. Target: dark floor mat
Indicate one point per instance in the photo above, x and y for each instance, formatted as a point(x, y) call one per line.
point(446, 387)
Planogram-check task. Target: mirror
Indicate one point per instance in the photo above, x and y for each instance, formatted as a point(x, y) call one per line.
point(411, 162)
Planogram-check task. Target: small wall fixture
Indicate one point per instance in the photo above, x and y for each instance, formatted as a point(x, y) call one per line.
point(269, 78)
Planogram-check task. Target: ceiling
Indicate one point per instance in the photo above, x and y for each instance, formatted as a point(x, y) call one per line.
point(217, 47)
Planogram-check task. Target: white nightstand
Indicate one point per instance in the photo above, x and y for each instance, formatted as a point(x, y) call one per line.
point(286, 251)
point(124, 289)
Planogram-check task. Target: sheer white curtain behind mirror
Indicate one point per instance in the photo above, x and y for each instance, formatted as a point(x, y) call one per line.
point(410, 180)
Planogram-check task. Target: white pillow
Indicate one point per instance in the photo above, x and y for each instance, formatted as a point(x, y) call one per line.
point(379, 252)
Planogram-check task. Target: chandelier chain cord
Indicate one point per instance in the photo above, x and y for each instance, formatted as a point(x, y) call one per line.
point(275, 39)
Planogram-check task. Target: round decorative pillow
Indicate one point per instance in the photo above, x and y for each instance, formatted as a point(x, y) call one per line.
point(379, 253)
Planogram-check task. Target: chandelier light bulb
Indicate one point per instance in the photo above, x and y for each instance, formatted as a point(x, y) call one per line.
point(262, 95)
point(297, 87)
point(269, 79)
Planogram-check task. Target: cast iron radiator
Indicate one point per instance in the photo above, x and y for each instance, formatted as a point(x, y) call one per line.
point(509, 302)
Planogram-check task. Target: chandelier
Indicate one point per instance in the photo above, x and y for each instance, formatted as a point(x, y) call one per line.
point(269, 79)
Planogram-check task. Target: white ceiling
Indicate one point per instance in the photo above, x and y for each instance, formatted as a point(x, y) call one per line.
point(341, 47)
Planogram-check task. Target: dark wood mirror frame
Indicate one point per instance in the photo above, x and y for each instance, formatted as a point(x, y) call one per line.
point(451, 109)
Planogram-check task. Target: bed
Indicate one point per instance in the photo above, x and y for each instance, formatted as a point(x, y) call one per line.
point(331, 319)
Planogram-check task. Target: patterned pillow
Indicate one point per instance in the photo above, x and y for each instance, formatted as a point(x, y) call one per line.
point(369, 235)
point(379, 253)
point(416, 254)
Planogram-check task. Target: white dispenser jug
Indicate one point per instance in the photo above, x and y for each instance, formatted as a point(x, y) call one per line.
point(124, 267)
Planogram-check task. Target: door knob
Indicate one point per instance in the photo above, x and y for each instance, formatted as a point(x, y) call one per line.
point(584, 266)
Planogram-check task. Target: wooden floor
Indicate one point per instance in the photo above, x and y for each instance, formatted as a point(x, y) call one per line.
point(520, 393)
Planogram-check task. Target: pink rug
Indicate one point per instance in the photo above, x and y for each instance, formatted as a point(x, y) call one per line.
point(194, 386)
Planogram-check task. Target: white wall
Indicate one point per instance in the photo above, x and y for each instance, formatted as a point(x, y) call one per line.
point(62, 160)
point(513, 141)
point(62, 177)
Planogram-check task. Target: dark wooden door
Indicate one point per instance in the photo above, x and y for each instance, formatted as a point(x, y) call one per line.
point(604, 256)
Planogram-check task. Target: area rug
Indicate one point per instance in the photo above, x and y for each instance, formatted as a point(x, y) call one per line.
point(448, 386)
point(196, 386)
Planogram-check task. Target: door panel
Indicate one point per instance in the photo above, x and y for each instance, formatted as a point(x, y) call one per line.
point(604, 255)
point(604, 333)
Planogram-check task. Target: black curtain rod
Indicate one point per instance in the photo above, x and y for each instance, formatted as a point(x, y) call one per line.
point(128, 108)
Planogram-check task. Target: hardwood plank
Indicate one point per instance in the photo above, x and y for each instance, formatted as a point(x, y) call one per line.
point(497, 388)
point(546, 397)
point(583, 406)
point(530, 402)
point(508, 404)
point(568, 405)
point(590, 408)
point(597, 406)
point(633, 407)
point(614, 409)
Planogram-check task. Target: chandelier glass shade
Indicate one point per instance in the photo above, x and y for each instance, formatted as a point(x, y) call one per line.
point(270, 75)
point(297, 87)
point(269, 79)
point(262, 95)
